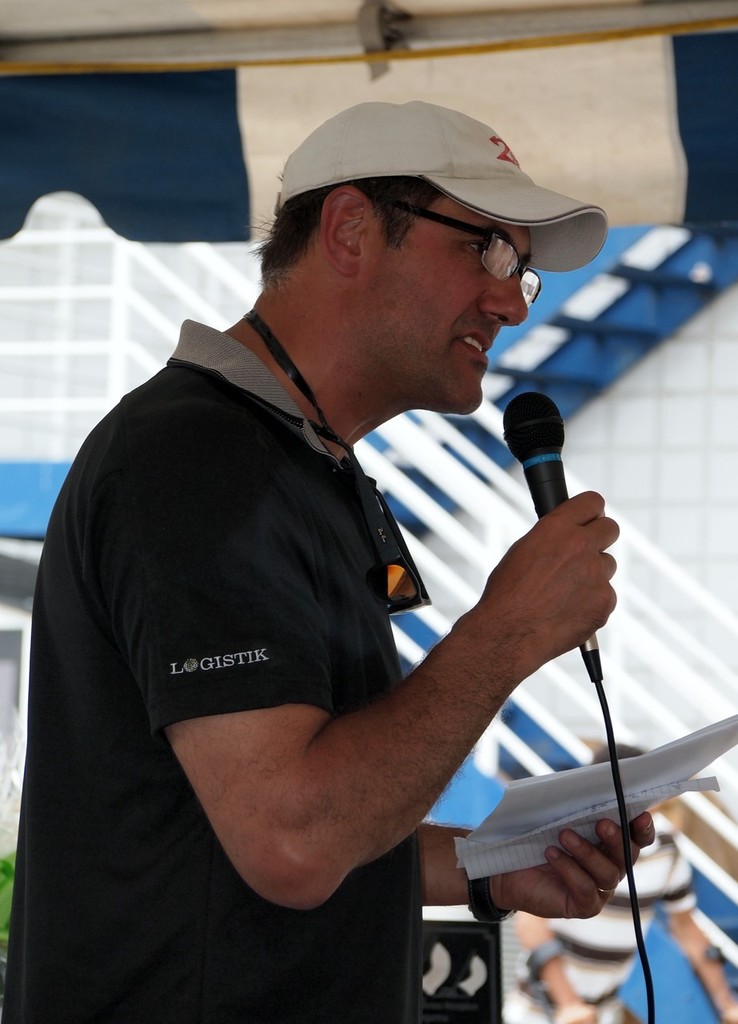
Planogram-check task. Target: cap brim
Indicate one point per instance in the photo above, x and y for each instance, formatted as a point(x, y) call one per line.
point(565, 234)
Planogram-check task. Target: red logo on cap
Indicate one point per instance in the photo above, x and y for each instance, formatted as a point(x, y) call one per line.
point(507, 153)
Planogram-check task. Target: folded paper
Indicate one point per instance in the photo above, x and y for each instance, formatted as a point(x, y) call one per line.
point(532, 812)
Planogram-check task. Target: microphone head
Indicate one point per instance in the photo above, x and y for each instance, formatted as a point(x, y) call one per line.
point(531, 423)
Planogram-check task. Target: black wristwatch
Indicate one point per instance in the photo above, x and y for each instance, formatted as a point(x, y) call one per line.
point(481, 903)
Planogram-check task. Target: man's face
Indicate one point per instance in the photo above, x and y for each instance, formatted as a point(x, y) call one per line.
point(435, 312)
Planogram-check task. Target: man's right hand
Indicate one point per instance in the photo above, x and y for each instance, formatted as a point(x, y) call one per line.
point(552, 590)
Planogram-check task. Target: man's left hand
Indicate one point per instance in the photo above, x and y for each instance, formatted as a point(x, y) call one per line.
point(579, 878)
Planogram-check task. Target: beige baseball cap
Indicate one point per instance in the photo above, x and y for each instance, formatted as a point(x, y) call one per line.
point(462, 157)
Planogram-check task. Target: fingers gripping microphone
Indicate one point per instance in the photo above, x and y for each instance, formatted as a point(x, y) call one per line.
point(534, 433)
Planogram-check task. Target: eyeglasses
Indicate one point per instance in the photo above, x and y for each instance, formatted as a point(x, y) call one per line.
point(395, 578)
point(499, 257)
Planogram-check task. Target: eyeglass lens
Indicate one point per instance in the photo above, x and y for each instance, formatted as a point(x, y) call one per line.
point(400, 584)
point(530, 285)
point(502, 261)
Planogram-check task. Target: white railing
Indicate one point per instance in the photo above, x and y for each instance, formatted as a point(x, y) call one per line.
point(664, 681)
point(117, 315)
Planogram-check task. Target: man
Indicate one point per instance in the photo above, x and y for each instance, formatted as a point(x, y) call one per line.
point(227, 776)
point(571, 971)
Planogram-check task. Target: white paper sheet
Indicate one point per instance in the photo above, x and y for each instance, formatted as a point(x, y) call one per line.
point(532, 812)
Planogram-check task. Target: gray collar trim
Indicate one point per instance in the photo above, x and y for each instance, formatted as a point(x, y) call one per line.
point(212, 350)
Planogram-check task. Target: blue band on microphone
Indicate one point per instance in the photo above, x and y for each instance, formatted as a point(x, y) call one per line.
point(545, 457)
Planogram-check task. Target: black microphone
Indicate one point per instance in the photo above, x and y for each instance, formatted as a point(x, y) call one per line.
point(534, 433)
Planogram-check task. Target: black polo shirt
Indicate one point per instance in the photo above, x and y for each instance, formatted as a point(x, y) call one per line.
point(205, 556)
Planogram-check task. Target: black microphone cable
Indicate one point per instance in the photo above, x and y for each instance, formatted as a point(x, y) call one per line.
point(625, 826)
point(534, 433)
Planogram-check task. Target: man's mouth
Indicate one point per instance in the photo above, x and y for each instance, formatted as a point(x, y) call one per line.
point(473, 342)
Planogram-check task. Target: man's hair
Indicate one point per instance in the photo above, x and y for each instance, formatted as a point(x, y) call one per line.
point(297, 222)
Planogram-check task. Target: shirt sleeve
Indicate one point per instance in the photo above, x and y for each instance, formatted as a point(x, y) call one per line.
point(214, 580)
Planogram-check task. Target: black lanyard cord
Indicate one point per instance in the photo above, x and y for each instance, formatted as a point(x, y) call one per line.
point(323, 429)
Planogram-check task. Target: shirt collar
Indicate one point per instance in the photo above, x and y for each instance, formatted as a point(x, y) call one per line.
point(208, 349)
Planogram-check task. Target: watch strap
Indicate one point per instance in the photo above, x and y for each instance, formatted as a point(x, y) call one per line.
point(481, 903)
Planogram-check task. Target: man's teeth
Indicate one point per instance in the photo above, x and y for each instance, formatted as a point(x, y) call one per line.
point(473, 342)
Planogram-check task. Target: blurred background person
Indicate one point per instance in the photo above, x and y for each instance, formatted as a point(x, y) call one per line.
point(571, 972)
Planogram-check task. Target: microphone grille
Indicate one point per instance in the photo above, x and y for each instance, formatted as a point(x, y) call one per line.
point(530, 422)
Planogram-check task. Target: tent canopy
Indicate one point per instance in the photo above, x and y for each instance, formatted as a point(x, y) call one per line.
point(175, 117)
point(90, 31)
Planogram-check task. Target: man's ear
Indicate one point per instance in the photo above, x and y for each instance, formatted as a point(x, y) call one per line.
point(345, 220)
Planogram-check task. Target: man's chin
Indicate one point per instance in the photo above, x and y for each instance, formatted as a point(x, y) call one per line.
point(458, 406)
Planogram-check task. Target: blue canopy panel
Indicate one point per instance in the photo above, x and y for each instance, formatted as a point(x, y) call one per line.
point(158, 154)
point(705, 69)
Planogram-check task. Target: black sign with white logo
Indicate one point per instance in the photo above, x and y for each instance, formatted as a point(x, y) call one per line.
point(461, 973)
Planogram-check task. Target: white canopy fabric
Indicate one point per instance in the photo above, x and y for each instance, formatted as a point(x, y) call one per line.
point(91, 31)
point(596, 121)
